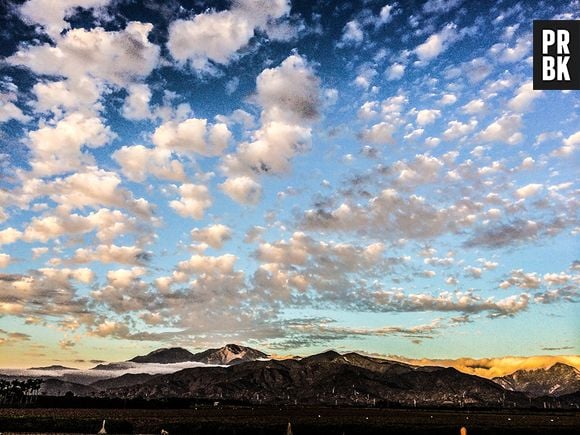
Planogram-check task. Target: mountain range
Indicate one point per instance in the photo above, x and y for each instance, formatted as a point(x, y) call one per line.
point(329, 378)
point(246, 375)
point(557, 380)
point(227, 355)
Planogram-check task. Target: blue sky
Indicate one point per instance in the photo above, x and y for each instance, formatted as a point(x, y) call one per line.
point(294, 176)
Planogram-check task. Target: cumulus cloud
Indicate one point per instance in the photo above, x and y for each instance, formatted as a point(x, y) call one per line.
point(427, 116)
point(138, 162)
point(290, 97)
point(440, 6)
point(447, 99)
point(136, 105)
point(521, 279)
point(395, 214)
point(457, 129)
point(111, 328)
point(9, 235)
point(290, 92)
point(117, 57)
point(524, 97)
point(505, 129)
point(395, 71)
point(476, 69)
point(80, 94)
point(505, 234)
point(51, 14)
point(437, 43)
point(217, 36)
point(58, 148)
point(46, 292)
point(193, 136)
point(195, 199)
point(108, 225)
point(381, 133)
point(8, 110)
point(528, 190)
point(131, 255)
point(5, 260)
point(93, 188)
point(474, 107)
point(352, 32)
point(506, 54)
point(570, 144)
point(244, 190)
point(125, 291)
point(213, 235)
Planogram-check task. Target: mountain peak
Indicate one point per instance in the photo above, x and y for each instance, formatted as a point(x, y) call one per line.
point(228, 355)
point(165, 356)
point(560, 366)
point(55, 367)
point(556, 380)
point(234, 348)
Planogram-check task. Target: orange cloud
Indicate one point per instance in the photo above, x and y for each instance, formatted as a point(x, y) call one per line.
point(500, 366)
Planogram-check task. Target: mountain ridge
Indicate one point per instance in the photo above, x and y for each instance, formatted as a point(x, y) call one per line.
point(225, 355)
point(557, 380)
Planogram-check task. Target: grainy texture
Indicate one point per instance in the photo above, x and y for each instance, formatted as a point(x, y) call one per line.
point(305, 421)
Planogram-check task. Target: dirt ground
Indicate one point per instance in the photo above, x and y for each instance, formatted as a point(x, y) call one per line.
point(304, 421)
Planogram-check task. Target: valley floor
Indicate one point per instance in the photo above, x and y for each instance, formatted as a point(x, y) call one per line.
point(304, 421)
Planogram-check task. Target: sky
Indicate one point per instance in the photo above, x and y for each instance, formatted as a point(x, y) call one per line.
point(294, 176)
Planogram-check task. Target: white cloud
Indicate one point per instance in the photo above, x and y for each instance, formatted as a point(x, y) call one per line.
point(131, 255)
point(108, 224)
point(440, 6)
point(437, 43)
point(290, 98)
point(136, 105)
point(272, 150)
point(74, 94)
point(395, 71)
point(505, 129)
point(117, 57)
point(570, 145)
point(379, 133)
point(217, 36)
point(507, 54)
point(447, 99)
point(457, 129)
point(524, 97)
point(51, 14)
point(474, 107)
point(528, 190)
point(289, 92)
point(385, 15)
point(476, 69)
point(202, 264)
point(58, 149)
point(242, 189)
point(193, 136)
point(94, 188)
point(432, 141)
point(5, 260)
point(9, 235)
point(8, 110)
point(214, 235)
point(352, 32)
point(195, 199)
point(414, 135)
point(427, 116)
point(138, 162)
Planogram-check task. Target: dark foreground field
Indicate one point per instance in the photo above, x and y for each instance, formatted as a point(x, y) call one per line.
point(305, 421)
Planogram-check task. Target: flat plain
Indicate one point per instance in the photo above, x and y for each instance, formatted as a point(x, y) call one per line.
point(304, 421)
